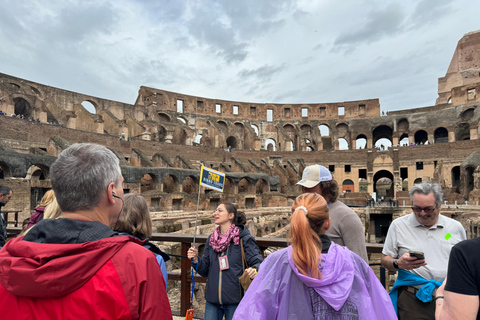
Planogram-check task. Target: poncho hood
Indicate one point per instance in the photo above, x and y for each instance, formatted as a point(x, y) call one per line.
point(337, 270)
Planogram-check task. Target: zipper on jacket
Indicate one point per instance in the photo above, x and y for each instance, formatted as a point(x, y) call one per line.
point(220, 284)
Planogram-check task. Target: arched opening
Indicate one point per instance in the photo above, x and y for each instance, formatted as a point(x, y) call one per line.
point(182, 120)
point(190, 185)
point(270, 145)
point(462, 132)
point(421, 137)
point(361, 141)
point(160, 135)
point(179, 136)
point(261, 187)
point(342, 144)
point(5, 171)
point(22, 107)
point(223, 126)
point(324, 130)
point(383, 133)
point(469, 179)
point(440, 135)
point(468, 114)
point(383, 185)
point(348, 186)
point(243, 186)
point(198, 139)
point(231, 142)
point(383, 144)
point(403, 126)
point(456, 179)
point(404, 141)
point(164, 117)
point(89, 106)
point(37, 172)
point(148, 182)
point(240, 128)
point(309, 148)
point(255, 128)
point(169, 184)
point(417, 181)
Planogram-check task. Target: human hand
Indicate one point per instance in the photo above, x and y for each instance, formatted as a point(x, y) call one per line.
point(441, 289)
point(252, 272)
point(408, 263)
point(192, 254)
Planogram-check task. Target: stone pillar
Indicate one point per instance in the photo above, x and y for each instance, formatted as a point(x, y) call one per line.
point(473, 133)
point(431, 138)
point(99, 126)
point(395, 141)
point(451, 136)
point(369, 143)
point(169, 136)
point(71, 120)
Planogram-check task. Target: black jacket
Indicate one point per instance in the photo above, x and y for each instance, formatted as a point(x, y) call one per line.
point(227, 280)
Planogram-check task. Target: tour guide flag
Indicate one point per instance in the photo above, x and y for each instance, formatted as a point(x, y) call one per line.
point(212, 179)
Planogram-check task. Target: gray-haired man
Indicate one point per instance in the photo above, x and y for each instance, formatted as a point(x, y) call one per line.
point(430, 234)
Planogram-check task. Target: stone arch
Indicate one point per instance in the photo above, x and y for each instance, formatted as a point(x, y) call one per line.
point(243, 186)
point(404, 140)
point(261, 187)
point(37, 172)
point(342, 130)
point(440, 135)
point(382, 132)
point(164, 117)
point(343, 144)
point(240, 128)
point(23, 107)
point(231, 142)
point(170, 184)
point(348, 186)
point(148, 182)
point(403, 126)
point(270, 145)
point(421, 137)
point(290, 136)
point(255, 128)
point(383, 184)
point(37, 91)
point(179, 136)
point(468, 114)
point(228, 186)
point(223, 126)
point(306, 128)
point(310, 149)
point(324, 130)
point(456, 179)
point(417, 181)
point(190, 185)
point(361, 141)
point(161, 134)
point(462, 132)
point(90, 106)
point(182, 119)
point(5, 170)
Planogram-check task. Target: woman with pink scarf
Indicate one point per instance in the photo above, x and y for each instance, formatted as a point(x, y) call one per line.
point(222, 263)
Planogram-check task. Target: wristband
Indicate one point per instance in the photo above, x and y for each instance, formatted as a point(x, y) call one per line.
point(439, 297)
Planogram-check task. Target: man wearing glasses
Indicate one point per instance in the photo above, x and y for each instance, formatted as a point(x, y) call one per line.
point(418, 246)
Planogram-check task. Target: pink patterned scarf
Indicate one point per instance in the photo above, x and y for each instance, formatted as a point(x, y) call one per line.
point(220, 242)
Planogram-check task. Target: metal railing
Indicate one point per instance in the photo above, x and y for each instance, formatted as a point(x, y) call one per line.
point(186, 241)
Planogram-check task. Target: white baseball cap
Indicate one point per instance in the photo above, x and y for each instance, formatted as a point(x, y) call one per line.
point(313, 175)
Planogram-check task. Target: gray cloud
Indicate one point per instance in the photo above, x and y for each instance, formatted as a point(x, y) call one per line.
point(430, 12)
point(379, 24)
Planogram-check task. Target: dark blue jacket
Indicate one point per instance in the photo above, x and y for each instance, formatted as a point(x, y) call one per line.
point(227, 280)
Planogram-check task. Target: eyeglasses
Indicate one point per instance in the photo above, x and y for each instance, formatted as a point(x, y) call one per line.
point(428, 210)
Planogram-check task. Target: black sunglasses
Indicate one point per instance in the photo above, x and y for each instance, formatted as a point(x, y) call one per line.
point(428, 210)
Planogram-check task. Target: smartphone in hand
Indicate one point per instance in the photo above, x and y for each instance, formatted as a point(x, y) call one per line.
point(417, 254)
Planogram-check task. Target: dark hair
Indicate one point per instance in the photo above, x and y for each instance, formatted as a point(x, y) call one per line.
point(5, 190)
point(241, 218)
point(231, 209)
point(329, 190)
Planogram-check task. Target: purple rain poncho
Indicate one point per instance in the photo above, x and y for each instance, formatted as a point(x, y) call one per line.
point(349, 289)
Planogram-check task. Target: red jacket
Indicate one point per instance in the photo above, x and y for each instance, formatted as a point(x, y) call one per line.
point(110, 278)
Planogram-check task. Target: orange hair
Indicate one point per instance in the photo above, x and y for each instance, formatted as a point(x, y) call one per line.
point(304, 232)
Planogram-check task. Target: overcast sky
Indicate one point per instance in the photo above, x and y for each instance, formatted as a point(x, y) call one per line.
point(281, 51)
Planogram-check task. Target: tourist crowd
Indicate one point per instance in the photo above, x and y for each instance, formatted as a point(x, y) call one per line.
point(85, 254)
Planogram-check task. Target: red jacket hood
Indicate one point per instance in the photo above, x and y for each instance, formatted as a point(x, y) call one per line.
point(53, 270)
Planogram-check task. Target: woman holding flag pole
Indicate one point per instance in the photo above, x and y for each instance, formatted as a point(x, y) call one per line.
point(222, 263)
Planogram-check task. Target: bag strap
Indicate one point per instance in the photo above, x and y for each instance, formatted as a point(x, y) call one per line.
point(244, 260)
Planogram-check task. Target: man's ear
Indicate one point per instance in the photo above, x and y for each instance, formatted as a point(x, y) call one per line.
point(110, 191)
